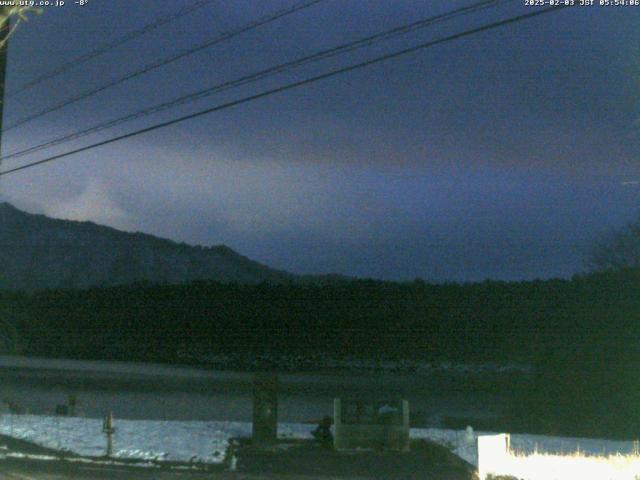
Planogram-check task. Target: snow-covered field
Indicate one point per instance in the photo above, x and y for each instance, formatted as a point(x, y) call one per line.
point(137, 439)
point(207, 441)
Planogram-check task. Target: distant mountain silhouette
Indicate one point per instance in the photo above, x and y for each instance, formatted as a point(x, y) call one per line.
point(39, 252)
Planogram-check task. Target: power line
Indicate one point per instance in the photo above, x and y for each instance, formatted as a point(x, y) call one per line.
point(167, 60)
point(322, 55)
point(65, 67)
point(291, 86)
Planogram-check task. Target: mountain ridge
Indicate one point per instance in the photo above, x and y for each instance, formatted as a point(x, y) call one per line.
point(39, 252)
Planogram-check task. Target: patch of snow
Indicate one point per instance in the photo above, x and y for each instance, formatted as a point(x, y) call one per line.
point(135, 439)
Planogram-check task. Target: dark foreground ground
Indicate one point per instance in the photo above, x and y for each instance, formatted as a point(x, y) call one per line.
point(62, 471)
point(426, 461)
point(56, 470)
point(300, 460)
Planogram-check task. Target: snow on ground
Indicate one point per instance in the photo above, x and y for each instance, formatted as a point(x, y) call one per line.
point(207, 441)
point(135, 439)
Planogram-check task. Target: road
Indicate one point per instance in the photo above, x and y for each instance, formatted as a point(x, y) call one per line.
point(53, 470)
point(165, 392)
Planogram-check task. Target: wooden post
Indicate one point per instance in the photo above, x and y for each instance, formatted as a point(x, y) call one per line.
point(108, 430)
point(72, 402)
point(265, 410)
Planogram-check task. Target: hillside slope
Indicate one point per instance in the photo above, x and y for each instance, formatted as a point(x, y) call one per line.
point(38, 252)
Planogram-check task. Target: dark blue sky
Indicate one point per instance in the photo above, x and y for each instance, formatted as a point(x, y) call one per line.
point(501, 155)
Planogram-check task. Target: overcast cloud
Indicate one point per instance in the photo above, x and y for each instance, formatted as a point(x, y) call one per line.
point(505, 155)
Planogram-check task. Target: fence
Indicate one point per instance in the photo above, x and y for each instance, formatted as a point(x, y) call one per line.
point(497, 458)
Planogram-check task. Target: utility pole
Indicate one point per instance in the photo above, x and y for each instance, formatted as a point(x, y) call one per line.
point(5, 30)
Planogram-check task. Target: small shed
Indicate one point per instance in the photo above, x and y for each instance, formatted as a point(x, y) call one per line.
point(371, 424)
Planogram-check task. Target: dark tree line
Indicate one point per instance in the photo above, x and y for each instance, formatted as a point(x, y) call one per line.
point(497, 321)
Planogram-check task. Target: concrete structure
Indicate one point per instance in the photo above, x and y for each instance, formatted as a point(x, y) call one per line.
point(363, 424)
point(265, 410)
